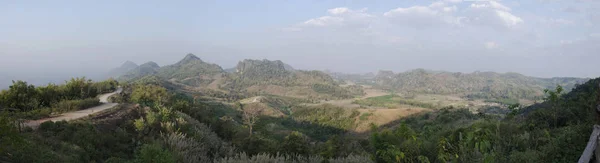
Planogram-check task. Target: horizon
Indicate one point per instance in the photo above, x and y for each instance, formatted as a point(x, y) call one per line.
point(51, 41)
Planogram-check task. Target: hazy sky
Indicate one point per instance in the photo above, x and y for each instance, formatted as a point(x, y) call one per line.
point(53, 40)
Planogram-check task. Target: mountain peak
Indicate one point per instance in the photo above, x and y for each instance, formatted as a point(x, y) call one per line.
point(129, 64)
point(190, 57)
point(150, 64)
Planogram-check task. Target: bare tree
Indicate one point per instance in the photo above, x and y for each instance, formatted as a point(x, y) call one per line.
point(251, 113)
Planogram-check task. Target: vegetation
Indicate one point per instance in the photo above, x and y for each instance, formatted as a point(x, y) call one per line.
point(393, 101)
point(477, 85)
point(32, 102)
point(171, 124)
point(189, 67)
point(145, 69)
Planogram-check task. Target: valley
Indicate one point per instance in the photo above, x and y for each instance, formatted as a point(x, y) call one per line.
point(262, 107)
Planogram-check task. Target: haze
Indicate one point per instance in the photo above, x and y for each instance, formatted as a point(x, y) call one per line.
point(50, 41)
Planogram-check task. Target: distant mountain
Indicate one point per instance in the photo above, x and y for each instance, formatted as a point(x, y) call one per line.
point(189, 67)
point(366, 78)
point(278, 78)
point(486, 85)
point(148, 68)
point(122, 70)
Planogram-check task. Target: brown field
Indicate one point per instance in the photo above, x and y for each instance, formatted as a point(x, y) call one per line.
point(381, 117)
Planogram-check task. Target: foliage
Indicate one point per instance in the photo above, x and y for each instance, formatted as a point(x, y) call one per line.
point(188, 67)
point(38, 102)
point(74, 105)
point(392, 101)
point(149, 94)
point(328, 115)
point(154, 153)
point(477, 85)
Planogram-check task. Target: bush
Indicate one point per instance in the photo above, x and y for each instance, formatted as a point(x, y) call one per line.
point(74, 105)
point(36, 114)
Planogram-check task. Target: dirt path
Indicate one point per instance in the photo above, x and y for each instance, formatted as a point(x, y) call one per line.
point(78, 114)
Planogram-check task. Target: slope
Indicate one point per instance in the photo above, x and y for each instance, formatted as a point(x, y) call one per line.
point(476, 85)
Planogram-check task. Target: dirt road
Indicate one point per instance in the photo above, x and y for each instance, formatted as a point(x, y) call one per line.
point(78, 114)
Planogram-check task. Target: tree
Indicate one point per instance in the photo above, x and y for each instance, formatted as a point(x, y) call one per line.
point(149, 94)
point(49, 94)
point(295, 143)
point(553, 97)
point(21, 96)
point(251, 113)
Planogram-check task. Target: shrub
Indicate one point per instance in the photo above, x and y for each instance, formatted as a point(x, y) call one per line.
point(74, 105)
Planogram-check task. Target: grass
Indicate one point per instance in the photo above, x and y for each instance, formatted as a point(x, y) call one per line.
point(393, 101)
point(365, 116)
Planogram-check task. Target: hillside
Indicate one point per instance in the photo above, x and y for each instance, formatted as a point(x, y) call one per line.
point(278, 78)
point(249, 78)
point(122, 70)
point(476, 85)
point(149, 68)
point(189, 67)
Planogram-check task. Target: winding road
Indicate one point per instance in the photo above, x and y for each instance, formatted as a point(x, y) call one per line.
point(80, 113)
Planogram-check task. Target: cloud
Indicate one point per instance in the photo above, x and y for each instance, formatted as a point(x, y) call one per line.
point(434, 15)
point(324, 21)
point(492, 14)
point(490, 5)
point(338, 11)
point(490, 45)
point(341, 16)
point(453, 1)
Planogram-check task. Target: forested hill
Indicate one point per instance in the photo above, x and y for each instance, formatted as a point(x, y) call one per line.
point(149, 68)
point(278, 78)
point(250, 77)
point(473, 85)
point(122, 70)
point(190, 66)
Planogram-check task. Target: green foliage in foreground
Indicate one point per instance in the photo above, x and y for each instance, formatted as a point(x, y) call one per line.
point(39, 102)
point(554, 131)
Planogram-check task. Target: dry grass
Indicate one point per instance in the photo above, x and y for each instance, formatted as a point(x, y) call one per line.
point(381, 117)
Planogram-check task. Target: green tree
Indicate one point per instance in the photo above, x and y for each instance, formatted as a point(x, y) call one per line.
point(154, 153)
point(21, 96)
point(295, 143)
point(49, 94)
point(149, 94)
point(553, 96)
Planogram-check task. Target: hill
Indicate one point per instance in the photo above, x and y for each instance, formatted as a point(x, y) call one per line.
point(278, 78)
point(189, 67)
point(249, 78)
point(476, 85)
point(122, 70)
point(148, 68)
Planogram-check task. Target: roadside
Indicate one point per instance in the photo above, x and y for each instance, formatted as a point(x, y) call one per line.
point(78, 114)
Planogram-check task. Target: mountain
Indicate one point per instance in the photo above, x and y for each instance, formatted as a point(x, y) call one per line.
point(122, 70)
point(189, 67)
point(148, 68)
point(278, 78)
point(366, 78)
point(485, 85)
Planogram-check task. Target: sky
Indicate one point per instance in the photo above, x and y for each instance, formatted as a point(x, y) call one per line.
point(49, 41)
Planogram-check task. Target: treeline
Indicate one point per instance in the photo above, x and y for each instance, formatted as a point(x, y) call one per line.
point(477, 85)
point(554, 131)
point(37, 102)
point(393, 101)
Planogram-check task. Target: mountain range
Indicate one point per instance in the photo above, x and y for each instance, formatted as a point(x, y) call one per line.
point(484, 85)
point(258, 77)
point(249, 77)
